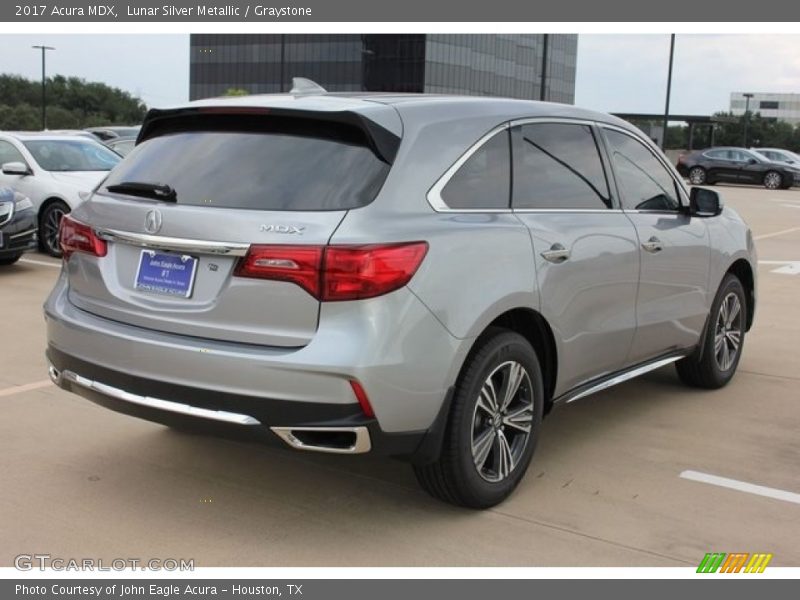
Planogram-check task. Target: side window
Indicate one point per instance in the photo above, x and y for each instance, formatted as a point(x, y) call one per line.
point(718, 154)
point(739, 156)
point(8, 153)
point(558, 165)
point(645, 184)
point(484, 180)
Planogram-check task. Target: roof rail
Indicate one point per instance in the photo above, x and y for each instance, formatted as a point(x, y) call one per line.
point(302, 86)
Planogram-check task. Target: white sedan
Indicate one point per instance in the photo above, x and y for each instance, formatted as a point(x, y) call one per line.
point(57, 172)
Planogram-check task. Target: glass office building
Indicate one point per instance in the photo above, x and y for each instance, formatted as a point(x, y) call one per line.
point(518, 66)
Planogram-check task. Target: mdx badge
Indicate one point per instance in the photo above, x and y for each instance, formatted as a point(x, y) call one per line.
point(152, 221)
point(298, 229)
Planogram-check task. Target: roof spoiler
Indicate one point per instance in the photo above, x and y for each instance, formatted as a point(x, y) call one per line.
point(381, 141)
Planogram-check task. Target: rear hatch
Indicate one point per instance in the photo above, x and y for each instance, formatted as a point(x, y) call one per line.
point(202, 188)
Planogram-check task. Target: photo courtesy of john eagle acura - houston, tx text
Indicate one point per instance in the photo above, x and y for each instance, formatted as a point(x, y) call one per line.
point(417, 276)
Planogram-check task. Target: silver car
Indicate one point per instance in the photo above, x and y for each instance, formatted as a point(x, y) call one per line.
point(423, 277)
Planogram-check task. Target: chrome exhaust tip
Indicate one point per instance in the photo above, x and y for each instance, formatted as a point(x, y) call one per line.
point(334, 440)
point(55, 376)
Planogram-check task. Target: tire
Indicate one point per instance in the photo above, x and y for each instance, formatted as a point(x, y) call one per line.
point(9, 260)
point(773, 180)
point(456, 476)
point(714, 368)
point(697, 176)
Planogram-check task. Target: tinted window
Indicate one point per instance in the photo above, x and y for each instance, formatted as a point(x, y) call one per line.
point(484, 181)
point(72, 155)
point(645, 184)
point(768, 104)
point(289, 164)
point(8, 153)
point(559, 166)
point(718, 154)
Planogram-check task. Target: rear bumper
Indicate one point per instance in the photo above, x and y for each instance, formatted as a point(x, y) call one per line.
point(393, 346)
point(340, 429)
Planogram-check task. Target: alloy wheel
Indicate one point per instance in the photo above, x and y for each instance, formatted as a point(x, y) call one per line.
point(502, 421)
point(728, 332)
point(51, 224)
point(772, 180)
point(697, 176)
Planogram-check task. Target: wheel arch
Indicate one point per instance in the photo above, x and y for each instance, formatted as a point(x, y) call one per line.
point(531, 325)
point(743, 270)
point(49, 201)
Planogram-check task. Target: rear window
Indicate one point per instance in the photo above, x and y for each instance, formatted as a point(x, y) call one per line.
point(265, 164)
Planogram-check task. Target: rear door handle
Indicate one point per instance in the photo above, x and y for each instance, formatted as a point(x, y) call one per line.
point(556, 254)
point(653, 245)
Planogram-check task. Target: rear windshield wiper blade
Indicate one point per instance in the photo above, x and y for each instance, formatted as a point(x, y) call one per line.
point(148, 190)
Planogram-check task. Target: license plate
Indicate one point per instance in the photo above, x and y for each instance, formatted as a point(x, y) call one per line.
point(169, 274)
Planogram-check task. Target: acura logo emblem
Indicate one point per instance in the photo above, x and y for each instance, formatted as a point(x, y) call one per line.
point(152, 221)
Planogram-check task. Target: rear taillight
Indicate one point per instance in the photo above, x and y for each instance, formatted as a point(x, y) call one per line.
point(356, 272)
point(295, 264)
point(74, 236)
point(332, 273)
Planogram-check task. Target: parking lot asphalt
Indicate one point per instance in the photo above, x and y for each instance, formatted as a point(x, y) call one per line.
point(605, 487)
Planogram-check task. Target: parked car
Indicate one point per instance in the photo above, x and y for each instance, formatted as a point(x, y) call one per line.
point(736, 165)
point(56, 172)
point(122, 146)
point(778, 155)
point(367, 273)
point(106, 134)
point(17, 226)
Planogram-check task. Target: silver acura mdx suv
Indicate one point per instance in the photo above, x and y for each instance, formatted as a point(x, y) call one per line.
point(417, 276)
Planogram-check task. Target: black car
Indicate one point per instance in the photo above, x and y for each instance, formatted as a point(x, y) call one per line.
point(736, 165)
point(17, 226)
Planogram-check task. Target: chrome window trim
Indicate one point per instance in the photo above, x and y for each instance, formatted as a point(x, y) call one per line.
point(567, 210)
point(145, 240)
point(434, 195)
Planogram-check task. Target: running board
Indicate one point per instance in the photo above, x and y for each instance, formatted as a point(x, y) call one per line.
point(611, 380)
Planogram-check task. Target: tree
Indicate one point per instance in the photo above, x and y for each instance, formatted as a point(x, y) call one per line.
point(236, 92)
point(72, 103)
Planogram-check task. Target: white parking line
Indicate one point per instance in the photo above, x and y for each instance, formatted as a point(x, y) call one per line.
point(742, 486)
point(18, 389)
point(30, 261)
point(788, 267)
point(776, 233)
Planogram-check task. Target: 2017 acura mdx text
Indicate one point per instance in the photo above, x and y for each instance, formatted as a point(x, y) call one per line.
point(417, 276)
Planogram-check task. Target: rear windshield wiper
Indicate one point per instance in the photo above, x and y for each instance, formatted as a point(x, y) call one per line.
point(148, 190)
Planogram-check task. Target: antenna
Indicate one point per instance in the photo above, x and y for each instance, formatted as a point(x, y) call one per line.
point(303, 87)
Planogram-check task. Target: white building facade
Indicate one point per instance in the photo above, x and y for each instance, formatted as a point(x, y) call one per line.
point(784, 107)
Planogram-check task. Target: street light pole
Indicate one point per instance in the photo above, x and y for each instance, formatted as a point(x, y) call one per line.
point(669, 90)
point(44, 49)
point(746, 117)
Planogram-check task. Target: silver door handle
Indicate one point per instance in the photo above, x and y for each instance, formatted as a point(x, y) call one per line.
point(556, 254)
point(653, 245)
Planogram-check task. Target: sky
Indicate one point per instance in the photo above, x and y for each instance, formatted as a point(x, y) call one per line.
point(616, 73)
point(152, 67)
point(628, 73)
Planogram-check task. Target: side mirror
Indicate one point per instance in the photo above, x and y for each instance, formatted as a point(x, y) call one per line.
point(751, 161)
point(15, 168)
point(704, 202)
